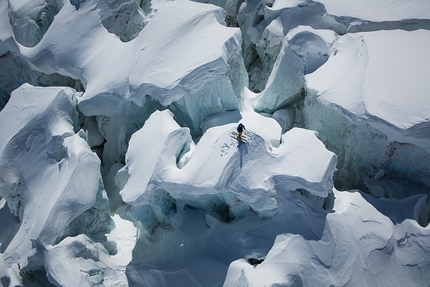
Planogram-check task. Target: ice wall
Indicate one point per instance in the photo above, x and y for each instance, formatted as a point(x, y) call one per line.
point(192, 199)
point(231, 8)
point(199, 83)
point(31, 19)
point(380, 251)
point(264, 25)
point(122, 18)
point(368, 114)
point(43, 164)
point(16, 72)
point(217, 177)
point(363, 92)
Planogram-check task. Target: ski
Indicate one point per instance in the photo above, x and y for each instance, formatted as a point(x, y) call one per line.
point(244, 138)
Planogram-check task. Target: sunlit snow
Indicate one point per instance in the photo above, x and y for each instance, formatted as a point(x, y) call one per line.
point(120, 163)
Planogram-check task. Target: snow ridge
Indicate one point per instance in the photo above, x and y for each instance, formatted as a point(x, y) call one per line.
point(125, 169)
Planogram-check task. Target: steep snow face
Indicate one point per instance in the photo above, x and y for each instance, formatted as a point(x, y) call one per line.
point(90, 263)
point(43, 164)
point(231, 8)
point(31, 19)
point(370, 106)
point(146, 72)
point(245, 177)
point(122, 18)
point(265, 24)
point(370, 11)
point(16, 72)
point(164, 89)
point(303, 51)
point(382, 248)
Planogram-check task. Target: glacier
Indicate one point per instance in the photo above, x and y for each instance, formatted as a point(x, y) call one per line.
point(387, 122)
point(119, 163)
point(153, 188)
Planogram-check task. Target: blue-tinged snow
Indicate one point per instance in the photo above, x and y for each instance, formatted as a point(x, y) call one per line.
point(371, 94)
point(43, 164)
point(359, 247)
point(139, 180)
point(6, 31)
point(89, 263)
point(395, 10)
point(245, 173)
point(378, 78)
point(137, 76)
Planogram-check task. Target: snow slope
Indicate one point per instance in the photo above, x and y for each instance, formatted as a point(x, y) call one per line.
point(374, 90)
point(237, 184)
point(380, 59)
point(44, 190)
point(134, 77)
point(369, 10)
point(124, 168)
point(381, 251)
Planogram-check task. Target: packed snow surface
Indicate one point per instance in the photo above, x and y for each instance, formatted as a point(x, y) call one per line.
point(371, 68)
point(120, 163)
point(381, 249)
point(373, 86)
point(301, 161)
point(388, 10)
point(43, 190)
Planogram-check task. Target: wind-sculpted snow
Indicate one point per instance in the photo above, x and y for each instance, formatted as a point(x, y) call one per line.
point(381, 250)
point(303, 51)
point(149, 139)
point(203, 82)
point(382, 15)
point(239, 183)
point(43, 164)
point(90, 263)
point(264, 25)
point(372, 95)
point(122, 18)
point(30, 19)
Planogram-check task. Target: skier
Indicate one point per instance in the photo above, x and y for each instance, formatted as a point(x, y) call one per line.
point(240, 129)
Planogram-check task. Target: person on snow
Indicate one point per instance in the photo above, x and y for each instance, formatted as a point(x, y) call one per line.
point(240, 129)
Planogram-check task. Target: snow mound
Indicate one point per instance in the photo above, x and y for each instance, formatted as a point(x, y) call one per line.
point(371, 94)
point(381, 11)
point(90, 263)
point(368, 64)
point(43, 164)
point(133, 79)
point(264, 26)
point(219, 175)
point(151, 141)
point(359, 247)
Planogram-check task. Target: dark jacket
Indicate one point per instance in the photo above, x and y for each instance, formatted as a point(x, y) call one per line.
point(240, 128)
